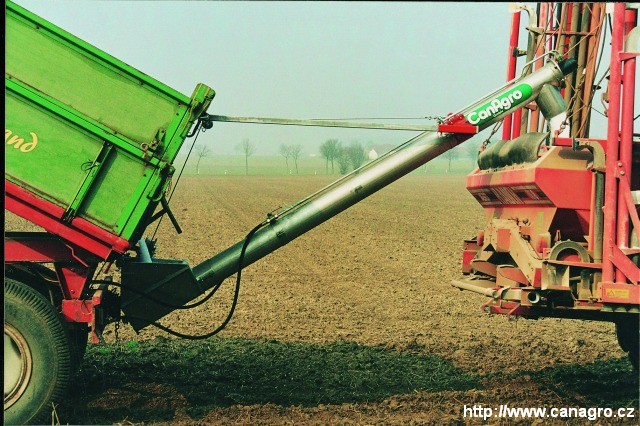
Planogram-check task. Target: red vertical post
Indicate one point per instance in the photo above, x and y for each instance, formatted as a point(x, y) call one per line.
point(551, 25)
point(613, 134)
point(511, 68)
point(626, 136)
point(534, 118)
point(517, 123)
point(567, 28)
point(568, 11)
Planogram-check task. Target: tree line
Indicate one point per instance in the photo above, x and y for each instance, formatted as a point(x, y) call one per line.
point(293, 152)
point(335, 153)
point(332, 150)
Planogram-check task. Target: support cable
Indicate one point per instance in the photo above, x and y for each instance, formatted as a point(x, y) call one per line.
point(196, 131)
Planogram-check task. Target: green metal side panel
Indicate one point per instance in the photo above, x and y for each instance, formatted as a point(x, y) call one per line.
point(86, 131)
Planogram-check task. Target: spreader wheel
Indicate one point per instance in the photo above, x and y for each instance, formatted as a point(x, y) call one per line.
point(36, 355)
point(628, 333)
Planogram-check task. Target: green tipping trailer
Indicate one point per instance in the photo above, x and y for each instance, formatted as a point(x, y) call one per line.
point(86, 132)
point(89, 147)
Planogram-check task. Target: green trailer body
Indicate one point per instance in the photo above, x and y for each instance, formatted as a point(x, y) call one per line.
point(86, 132)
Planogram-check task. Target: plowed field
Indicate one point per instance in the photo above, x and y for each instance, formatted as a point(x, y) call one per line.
point(354, 322)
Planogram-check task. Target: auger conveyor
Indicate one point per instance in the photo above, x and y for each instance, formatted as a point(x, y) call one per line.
point(185, 284)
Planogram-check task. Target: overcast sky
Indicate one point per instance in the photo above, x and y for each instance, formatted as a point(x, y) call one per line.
point(303, 59)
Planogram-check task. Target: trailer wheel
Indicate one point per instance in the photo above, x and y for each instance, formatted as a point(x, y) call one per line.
point(36, 355)
point(628, 333)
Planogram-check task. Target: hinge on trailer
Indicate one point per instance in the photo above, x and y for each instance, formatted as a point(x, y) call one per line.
point(157, 139)
point(166, 171)
point(93, 170)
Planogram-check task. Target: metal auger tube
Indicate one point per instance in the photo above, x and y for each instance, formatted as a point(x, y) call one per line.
point(324, 206)
point(374, 176)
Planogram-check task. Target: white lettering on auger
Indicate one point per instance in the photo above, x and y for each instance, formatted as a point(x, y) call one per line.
point(495, 107)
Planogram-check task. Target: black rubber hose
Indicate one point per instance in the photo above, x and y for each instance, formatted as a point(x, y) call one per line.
point(233, 304)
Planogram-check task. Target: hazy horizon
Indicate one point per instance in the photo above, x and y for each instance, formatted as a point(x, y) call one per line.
point(304, 59)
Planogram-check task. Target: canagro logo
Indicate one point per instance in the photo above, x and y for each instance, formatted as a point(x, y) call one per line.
point(500, 104)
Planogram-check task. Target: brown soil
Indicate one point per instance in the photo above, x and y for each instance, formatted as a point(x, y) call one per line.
point(377, 275)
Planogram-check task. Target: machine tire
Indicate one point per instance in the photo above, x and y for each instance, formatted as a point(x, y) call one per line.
point(37, 358)
point(40, 278)
point(628, 333)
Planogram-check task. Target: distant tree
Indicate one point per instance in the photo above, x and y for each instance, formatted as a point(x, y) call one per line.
point(450, 155)
point(324, 151)
point(342, 158)
point(356, 154)
point(246, 148)
point(295, 151)
point(201, 151)
point(329, 150)
point(285, 151)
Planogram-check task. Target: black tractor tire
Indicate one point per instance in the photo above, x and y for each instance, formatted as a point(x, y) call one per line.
point(628, 333)
point(41, 278)
point(37, 356)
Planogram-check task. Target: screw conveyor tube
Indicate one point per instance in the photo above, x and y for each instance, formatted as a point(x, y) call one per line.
point(361, 183)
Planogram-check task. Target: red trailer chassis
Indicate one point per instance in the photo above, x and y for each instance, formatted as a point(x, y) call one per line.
point(74, 248)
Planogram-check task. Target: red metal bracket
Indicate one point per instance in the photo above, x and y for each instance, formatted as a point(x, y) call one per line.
point(624, 264)
point(73, 278)
point(466, 129)
point(625, 56)
point(509, 309)
point(85, 311)
point(77, 310)
point(563, 141)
